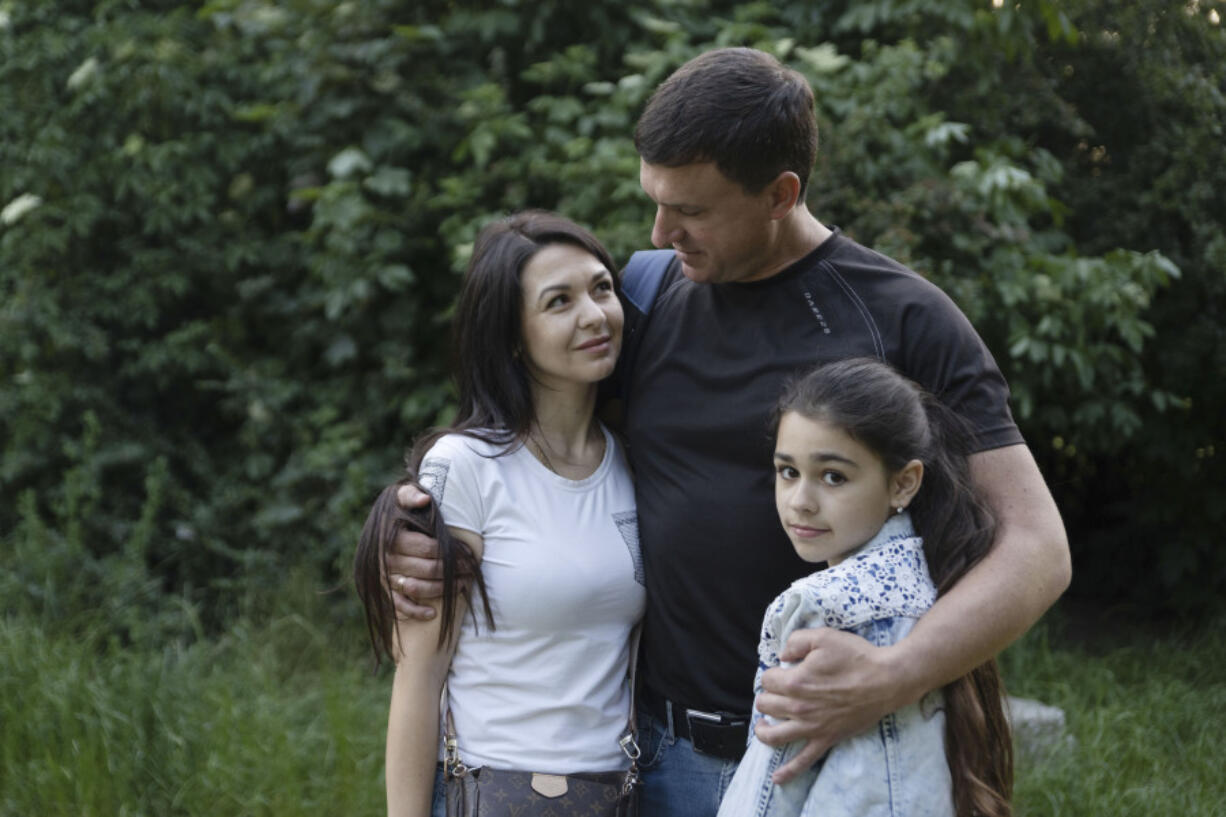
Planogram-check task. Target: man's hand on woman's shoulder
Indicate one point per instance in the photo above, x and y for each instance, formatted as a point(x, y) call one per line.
point(413, 567)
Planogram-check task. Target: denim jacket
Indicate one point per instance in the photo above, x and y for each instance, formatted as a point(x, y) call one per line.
point(895, 769)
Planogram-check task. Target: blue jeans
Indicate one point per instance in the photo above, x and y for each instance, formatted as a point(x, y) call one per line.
point(677, 781)
point(438, 803)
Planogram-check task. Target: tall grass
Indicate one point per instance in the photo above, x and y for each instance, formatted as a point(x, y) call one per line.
point(284, 718)
point(273, 720)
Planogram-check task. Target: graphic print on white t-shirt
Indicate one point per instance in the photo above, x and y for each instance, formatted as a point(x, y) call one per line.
point(627, 523)
point(433, 477)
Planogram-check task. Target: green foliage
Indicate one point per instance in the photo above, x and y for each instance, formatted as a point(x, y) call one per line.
point(231, 235)
point(1142, 175)
point(1051, 167)
point(230, 239)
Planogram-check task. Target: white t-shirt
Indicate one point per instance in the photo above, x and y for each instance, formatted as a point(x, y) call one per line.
point(546, 690)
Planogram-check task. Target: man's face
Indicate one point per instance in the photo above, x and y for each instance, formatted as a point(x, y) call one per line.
point(720, 231)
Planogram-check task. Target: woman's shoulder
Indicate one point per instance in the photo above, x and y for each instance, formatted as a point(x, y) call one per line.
point(468, 456)
point(477, 444)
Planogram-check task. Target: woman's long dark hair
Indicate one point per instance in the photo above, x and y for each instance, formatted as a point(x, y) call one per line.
point(495, 405)
point(899, 421)
point(385, 520)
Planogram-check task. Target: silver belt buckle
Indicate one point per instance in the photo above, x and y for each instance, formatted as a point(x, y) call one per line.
point(709, 717)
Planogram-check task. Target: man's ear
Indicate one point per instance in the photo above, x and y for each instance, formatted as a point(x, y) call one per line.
point(905, 483)
point(784, 192)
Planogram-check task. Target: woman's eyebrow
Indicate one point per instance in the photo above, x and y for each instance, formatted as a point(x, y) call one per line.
point(552, 288)
point(564, 287)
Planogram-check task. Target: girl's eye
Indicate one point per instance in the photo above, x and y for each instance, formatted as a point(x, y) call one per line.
point(786, 472)
point(833, 478)
point(604, 286)
point(556, 300)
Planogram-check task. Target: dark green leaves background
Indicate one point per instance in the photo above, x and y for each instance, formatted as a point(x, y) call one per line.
point(232, 233)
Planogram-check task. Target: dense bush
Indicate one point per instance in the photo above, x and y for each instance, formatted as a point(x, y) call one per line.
point(1145, 174)
point(231, 235)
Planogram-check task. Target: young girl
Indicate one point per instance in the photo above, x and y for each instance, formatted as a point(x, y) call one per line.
point(537, 501)
point(867, 463)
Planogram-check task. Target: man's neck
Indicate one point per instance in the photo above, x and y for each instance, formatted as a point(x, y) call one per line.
point(798, 235)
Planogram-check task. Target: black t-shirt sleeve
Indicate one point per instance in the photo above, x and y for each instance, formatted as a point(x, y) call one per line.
point(941, 351)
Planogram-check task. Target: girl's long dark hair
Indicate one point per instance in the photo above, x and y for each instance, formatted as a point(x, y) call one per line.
point(899, 421)
point(495, 405)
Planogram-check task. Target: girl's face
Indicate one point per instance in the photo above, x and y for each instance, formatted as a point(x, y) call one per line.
point(833, 494)
point(572, 320)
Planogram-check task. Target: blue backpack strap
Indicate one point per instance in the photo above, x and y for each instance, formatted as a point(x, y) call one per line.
point(642, 276)
point(640, 284)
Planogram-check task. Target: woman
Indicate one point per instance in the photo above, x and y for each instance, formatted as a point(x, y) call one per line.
point(537, 493)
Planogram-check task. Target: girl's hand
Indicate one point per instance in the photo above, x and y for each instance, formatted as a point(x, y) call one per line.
point(839, 686)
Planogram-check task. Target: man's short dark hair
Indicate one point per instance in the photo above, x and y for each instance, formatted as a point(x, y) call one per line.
point(737, 107)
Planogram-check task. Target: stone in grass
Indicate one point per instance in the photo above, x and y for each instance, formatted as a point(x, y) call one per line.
point(1038, 729)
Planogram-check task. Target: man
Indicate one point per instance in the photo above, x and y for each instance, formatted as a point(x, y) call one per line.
point(763, 290)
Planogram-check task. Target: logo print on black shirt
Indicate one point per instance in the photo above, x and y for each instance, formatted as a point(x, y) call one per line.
point(817, 313)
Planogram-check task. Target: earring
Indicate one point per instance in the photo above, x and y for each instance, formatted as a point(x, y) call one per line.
point(899, 509)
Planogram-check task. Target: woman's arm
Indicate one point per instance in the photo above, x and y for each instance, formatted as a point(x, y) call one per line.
point(413, 717)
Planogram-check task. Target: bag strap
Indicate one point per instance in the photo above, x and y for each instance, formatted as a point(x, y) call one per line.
point(629, 741)
point(453, 766)
point(641, 281)
point(642, 276)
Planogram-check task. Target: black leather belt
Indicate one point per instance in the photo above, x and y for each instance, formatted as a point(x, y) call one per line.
point(720, 734)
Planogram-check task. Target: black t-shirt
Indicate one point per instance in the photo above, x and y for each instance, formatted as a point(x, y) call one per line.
point(705, 371)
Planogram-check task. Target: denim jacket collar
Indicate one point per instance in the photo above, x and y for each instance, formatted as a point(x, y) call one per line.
point(885, 577)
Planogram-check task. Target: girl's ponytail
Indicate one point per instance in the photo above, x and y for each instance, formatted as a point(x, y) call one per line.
point(958, 530)
point(979, 744)
point(956, 523)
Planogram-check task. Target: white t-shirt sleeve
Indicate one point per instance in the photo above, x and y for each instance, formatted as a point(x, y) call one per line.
point(450, 471)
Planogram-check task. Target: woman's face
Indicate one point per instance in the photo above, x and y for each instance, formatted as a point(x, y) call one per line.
point(572, 320)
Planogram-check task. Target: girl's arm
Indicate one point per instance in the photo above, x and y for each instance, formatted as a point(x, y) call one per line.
point(413, 717)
